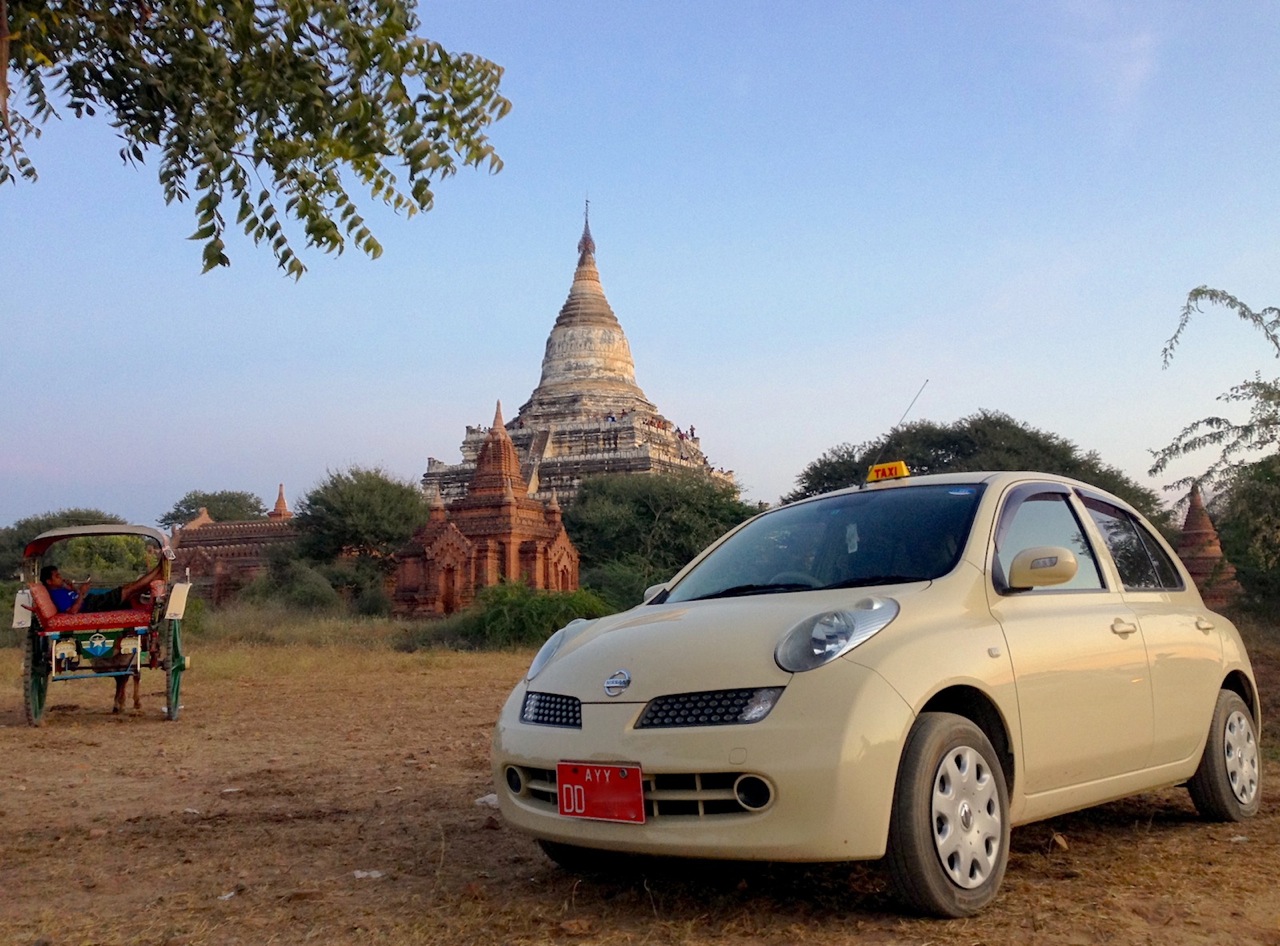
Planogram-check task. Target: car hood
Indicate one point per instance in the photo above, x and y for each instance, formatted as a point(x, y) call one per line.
point(688, 646)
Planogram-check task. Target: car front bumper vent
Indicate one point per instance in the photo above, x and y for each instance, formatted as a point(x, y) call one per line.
point(679, 795)
point(552, 709)
point(708, 708)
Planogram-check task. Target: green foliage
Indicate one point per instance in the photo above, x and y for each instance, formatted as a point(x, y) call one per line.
point(110, 559)
point(226, 505)
point(8, 589)
point(364, 515)
point(260, 110)
point(987, 440)
point(1247, 516)
point(636, 531)
point(623, 581)
point(511, 614)
point(1235, 440)
point(295, 585)
point(195, 616)
point(14, 538)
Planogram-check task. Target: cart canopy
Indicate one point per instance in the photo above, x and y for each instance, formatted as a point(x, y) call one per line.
point(40, 544)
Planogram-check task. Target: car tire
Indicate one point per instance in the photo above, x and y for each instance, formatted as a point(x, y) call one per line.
point(1227, 785)
point(949, 830)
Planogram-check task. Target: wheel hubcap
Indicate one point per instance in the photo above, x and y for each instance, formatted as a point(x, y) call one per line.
point(966, 817)
point(1241, 755)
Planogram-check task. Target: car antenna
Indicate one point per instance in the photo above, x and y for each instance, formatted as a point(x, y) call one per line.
point(885, 445)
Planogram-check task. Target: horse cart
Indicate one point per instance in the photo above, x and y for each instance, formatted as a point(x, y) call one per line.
point(101, 639)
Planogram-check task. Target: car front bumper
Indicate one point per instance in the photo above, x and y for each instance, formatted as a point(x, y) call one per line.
point(828, 751)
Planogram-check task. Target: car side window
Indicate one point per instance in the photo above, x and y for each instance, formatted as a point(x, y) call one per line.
point(1045, 518)
point(1141, 560)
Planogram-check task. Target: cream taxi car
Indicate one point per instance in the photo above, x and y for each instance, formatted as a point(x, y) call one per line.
point(904, 670)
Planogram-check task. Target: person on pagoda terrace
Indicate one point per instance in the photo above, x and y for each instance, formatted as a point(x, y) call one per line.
point(72, 600)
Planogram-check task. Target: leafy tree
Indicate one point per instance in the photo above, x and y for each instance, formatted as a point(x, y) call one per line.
point(1235, 440)
point(987, 440)
point(635, 531)
point(226, 505)
point(110, 559)
point(260, 109)
point(14, 538)
point(1246, 514)
point(359, 514)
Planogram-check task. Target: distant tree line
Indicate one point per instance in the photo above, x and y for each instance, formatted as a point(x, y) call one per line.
point(636, 531)
point(987, 440)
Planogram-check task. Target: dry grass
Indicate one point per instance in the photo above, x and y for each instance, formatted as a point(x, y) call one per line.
point(296, 765)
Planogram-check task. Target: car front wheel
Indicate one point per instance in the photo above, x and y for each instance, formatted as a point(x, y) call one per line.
point(1227, 784)
point(949, 832)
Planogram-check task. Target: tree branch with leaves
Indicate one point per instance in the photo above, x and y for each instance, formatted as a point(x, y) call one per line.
point(1236, 441)
point(261, 111)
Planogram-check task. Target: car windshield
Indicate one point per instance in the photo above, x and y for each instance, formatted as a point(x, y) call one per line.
point(871, 537)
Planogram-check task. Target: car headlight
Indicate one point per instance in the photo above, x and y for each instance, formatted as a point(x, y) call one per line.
point(822, 638)
point(553, 645)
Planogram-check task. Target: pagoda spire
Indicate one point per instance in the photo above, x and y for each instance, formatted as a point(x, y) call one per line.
point(281, 510)
point(587, 245)
point(498, 465)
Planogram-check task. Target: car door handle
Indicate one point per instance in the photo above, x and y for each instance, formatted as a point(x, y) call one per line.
point(1204, 624)
point(1122, 627)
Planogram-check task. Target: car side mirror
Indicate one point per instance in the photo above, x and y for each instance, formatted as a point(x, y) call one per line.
point(1041, 566)
point(652, 591)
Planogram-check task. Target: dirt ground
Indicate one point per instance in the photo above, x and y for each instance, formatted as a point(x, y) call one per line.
point(329, 795)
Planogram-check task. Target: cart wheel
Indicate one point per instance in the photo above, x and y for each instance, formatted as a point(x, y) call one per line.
point(35, 676)
point(175, 663)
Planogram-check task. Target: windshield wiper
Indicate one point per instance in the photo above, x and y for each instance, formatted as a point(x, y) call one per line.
point(738, 591)
point(876, 580)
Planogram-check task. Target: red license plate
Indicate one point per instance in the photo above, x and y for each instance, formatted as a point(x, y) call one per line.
point(600, 792)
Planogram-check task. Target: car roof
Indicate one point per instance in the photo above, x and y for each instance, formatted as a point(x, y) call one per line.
point(40, 544)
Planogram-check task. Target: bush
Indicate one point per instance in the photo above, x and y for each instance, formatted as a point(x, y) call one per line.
point(292, 584)
point(511, 614)
point(193, 617)
point(373, 601)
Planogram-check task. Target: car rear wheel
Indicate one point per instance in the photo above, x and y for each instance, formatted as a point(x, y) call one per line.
point(1227, 785)
point(949, 832)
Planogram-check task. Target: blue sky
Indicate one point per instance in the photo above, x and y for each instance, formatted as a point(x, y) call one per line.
point(802, 212)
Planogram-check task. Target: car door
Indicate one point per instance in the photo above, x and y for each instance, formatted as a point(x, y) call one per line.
point(1080, 665)
point(1184, 647)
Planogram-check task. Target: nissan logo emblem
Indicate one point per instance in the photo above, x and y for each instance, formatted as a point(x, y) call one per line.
point(616, 683)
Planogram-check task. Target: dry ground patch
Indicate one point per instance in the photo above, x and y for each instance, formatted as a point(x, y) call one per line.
point(328, 795)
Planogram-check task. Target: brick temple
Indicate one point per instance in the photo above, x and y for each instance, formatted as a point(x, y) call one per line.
point(496, 532)
point(223, 557)
point(587, 415)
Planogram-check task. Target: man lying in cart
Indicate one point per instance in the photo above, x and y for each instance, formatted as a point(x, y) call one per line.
point(70, 599)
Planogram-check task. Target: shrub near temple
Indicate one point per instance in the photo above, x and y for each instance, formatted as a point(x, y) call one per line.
point(511, 614)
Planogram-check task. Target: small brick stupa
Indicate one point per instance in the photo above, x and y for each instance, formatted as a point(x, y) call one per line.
point(1201, 551)
point(496, 532)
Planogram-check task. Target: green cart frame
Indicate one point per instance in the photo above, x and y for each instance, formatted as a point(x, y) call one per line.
point(145, 634)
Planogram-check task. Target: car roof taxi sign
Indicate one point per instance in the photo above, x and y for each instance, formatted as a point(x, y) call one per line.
point(888, 471)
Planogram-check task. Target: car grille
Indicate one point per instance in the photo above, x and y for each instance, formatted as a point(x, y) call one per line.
point(552, 709)
point(710, 708)
point(680, 795)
